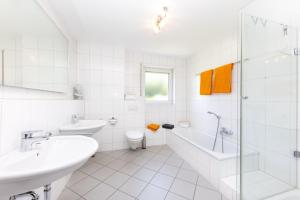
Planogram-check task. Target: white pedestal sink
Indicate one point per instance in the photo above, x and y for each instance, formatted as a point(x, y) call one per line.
point(83, 127)
point(48, 161)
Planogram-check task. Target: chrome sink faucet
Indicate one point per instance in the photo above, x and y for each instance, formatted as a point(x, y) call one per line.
point(28, 138)
point(75, 118)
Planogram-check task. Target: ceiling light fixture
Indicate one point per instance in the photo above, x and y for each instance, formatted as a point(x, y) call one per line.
point(160, 21)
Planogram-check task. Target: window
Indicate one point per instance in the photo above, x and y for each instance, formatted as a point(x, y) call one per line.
point(158, 85)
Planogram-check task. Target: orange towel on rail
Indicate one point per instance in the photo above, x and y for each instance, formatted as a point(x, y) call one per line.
point(222, 79)
point(206, 82)
point(153, 127)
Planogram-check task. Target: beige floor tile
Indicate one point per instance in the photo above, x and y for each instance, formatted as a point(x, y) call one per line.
point(133, 187)
point(184, 189)
point(117, 179)
point(101, 192)
point(103, 173)
point(84, 185)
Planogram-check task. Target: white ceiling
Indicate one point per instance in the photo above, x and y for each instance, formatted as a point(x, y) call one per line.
point(191, 25)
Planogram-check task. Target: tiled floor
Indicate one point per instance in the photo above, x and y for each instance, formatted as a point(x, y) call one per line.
point(258, 185)
point(156, 173)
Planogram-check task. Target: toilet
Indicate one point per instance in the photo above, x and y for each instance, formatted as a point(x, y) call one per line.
point(134, 138)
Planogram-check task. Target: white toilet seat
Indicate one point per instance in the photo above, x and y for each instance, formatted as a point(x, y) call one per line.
point(134, 135)
point(134, 138)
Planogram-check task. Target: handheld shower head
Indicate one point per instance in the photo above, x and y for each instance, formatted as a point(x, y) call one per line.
point(216, 115)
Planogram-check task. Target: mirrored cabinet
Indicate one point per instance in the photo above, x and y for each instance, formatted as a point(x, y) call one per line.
point(34, 52)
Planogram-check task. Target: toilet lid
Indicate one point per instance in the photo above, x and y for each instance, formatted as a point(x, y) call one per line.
point(134, 134)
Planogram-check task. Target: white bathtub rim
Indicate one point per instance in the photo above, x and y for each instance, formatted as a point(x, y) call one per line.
point(216, 155)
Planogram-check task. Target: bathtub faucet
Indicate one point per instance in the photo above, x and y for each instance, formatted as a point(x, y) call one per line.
point(215, 114)
point(216, 137)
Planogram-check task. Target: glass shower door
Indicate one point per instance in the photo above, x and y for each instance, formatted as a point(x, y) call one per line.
point(268, 108)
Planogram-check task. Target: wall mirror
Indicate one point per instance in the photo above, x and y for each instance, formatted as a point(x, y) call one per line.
point(34, 52)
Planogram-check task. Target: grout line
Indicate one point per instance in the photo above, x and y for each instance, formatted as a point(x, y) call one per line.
point(130, 176)
point(88, 190)
point(180, 168)
point(130, 161)
point(156, 172)
point(100, 181)
point(196, 188)
point(147, 183)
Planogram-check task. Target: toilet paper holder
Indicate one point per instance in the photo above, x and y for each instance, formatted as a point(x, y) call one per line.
point(112, 121)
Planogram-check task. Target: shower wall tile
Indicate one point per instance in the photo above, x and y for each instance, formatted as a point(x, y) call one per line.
point(271, 114)
point(269, 125)
point(225, 105)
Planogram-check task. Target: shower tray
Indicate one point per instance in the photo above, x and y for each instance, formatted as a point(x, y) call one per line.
point(292, 195)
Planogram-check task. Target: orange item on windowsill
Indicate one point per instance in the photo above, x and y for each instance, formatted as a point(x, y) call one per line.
point(206, 82)
point(222, 79)
point(153, 127)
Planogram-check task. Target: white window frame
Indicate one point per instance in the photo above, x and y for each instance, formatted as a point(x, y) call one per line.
point(158, 69)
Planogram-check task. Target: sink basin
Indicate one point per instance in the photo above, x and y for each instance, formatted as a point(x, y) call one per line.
point(83, 127)
point(48, 161)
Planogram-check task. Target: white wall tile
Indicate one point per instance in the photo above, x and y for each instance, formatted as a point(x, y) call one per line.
point(46, 115)
point(158, 113)
point(107, 73)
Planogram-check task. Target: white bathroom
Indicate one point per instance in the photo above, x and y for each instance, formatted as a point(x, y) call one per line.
point(149, 100)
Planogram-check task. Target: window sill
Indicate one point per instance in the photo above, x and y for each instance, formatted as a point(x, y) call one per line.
point(159, 102)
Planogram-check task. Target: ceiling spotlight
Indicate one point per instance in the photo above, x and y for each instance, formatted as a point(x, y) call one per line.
point(160, 20)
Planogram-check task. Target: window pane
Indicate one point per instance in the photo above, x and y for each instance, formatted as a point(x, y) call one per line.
point(156, 86)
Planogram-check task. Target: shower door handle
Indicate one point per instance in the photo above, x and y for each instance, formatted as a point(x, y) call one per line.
point(245, 97)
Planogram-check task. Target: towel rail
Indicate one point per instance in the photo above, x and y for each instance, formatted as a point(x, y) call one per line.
point(197, 74)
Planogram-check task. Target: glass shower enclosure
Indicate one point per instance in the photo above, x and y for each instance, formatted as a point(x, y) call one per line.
point(269, 96)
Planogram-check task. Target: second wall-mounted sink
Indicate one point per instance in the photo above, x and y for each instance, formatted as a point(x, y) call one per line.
point(83, 127)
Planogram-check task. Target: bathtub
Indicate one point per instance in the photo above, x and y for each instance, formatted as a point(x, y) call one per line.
point(196, 149)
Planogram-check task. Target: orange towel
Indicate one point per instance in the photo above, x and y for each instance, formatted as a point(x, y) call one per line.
point(206, 82)
point(222, 79)
point(153, 127)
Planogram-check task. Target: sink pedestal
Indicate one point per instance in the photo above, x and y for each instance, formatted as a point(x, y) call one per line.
point(33, 195)
point(47, 192)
